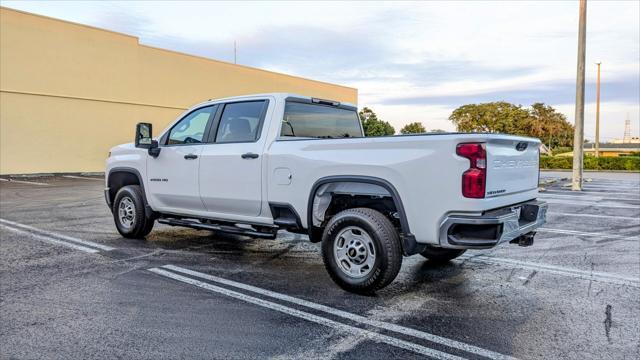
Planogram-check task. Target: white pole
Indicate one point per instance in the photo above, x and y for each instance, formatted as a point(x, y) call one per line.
point(578, 136)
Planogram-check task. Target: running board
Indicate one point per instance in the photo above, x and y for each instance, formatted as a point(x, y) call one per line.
point(217, 227)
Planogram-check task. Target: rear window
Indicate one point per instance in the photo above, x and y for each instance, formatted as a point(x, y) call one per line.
point(240, 122)
point(319, 121)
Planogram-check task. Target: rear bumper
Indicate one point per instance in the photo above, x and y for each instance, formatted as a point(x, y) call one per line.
point(492, 227)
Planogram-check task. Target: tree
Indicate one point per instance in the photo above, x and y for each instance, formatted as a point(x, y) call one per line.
point(437, 131)
point(541, 121)
point(498, 116)
point(373, 126)
point(550, 126)
point(413, 128)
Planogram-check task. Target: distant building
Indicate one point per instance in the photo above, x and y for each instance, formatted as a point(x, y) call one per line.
point(627, 140)
point(610, 149)
point(69, 92)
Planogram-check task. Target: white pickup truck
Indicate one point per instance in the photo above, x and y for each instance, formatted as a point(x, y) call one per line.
point(253, 165)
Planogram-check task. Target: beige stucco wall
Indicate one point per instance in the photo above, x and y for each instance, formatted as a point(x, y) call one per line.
point(69, 92)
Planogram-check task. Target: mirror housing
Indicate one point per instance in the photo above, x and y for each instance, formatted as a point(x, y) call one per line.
point(154, 149)
point(144, 139)
point(144, 135)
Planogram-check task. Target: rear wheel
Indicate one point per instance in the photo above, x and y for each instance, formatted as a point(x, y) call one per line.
point(361, 250)
point(441, 255)
point(129, 213)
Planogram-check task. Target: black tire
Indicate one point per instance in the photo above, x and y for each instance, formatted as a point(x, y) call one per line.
point(381, 234)
point(141, 224)
point(441, 255)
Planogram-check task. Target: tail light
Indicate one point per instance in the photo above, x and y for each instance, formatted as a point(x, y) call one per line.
point(474, 179)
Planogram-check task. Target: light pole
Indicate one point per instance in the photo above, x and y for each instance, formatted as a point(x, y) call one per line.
point(578, 135)
point(598, 112)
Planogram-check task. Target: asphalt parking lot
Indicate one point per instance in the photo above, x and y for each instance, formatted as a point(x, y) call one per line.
point(72, 288)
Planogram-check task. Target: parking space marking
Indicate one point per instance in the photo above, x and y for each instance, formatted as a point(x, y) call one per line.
point(594, 216)
point(81, 177)
point(49, 239)
point(55, 237)
point(613, 187)
point(591, 204)
point(556, 270)
point(589, 234)
point(590, 192)
point(310, 317)
point(584, 197)
point(343, 314)
point(25, 182)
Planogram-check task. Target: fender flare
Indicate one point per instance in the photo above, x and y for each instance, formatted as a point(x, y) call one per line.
point(134, 172)
point(409, 243)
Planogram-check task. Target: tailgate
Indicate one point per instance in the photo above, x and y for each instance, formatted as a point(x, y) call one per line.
point(512, 165)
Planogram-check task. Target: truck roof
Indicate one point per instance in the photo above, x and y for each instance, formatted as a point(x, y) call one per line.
point(277, 95)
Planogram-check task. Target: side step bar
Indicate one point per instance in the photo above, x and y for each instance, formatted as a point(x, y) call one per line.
point(230, 229)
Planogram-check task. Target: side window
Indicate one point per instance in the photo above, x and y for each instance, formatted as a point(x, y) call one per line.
point(240, 122)
point(191, 129)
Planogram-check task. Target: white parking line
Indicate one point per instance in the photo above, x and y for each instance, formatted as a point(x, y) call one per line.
point(49, 239)
point(584, 197)
point(614, 217)
point(613, 187)
point(310, 317)
point(343, 314)
point(613, 183)
point(81, 177)
point(591, 204)
point(24, 182)
point(589, 192)
point(58, 238)
point(590, 234)
point(557, 270)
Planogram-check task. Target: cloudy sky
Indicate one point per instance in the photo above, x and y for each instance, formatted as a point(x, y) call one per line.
point(411, 61)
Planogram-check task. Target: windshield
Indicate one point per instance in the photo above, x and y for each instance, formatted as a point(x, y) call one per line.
point(319, 121)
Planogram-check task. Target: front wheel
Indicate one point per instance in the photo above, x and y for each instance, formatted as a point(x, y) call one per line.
point(129, 213)
point(361, 250)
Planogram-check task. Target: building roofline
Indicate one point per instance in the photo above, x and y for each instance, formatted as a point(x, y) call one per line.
point(173, 51)
point(69, 22)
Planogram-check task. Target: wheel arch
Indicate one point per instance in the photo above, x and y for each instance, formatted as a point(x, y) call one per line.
point(384, 188)
point(123, 176)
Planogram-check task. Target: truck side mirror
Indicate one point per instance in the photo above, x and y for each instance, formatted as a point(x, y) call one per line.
point(144, 139)
point(144, 135)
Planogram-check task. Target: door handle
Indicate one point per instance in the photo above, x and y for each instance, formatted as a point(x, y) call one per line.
point(191, 156)
point(250, 156)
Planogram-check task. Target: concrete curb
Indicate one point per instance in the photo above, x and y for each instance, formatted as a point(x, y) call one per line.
point(595, 171)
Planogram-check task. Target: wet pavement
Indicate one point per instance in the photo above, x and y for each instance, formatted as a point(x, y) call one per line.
point(72, 288)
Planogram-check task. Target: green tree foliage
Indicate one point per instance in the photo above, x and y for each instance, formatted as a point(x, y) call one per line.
point(592, 162)
point(413, 128)
point(541, 121)
point(373, 126)
point(549, 126)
